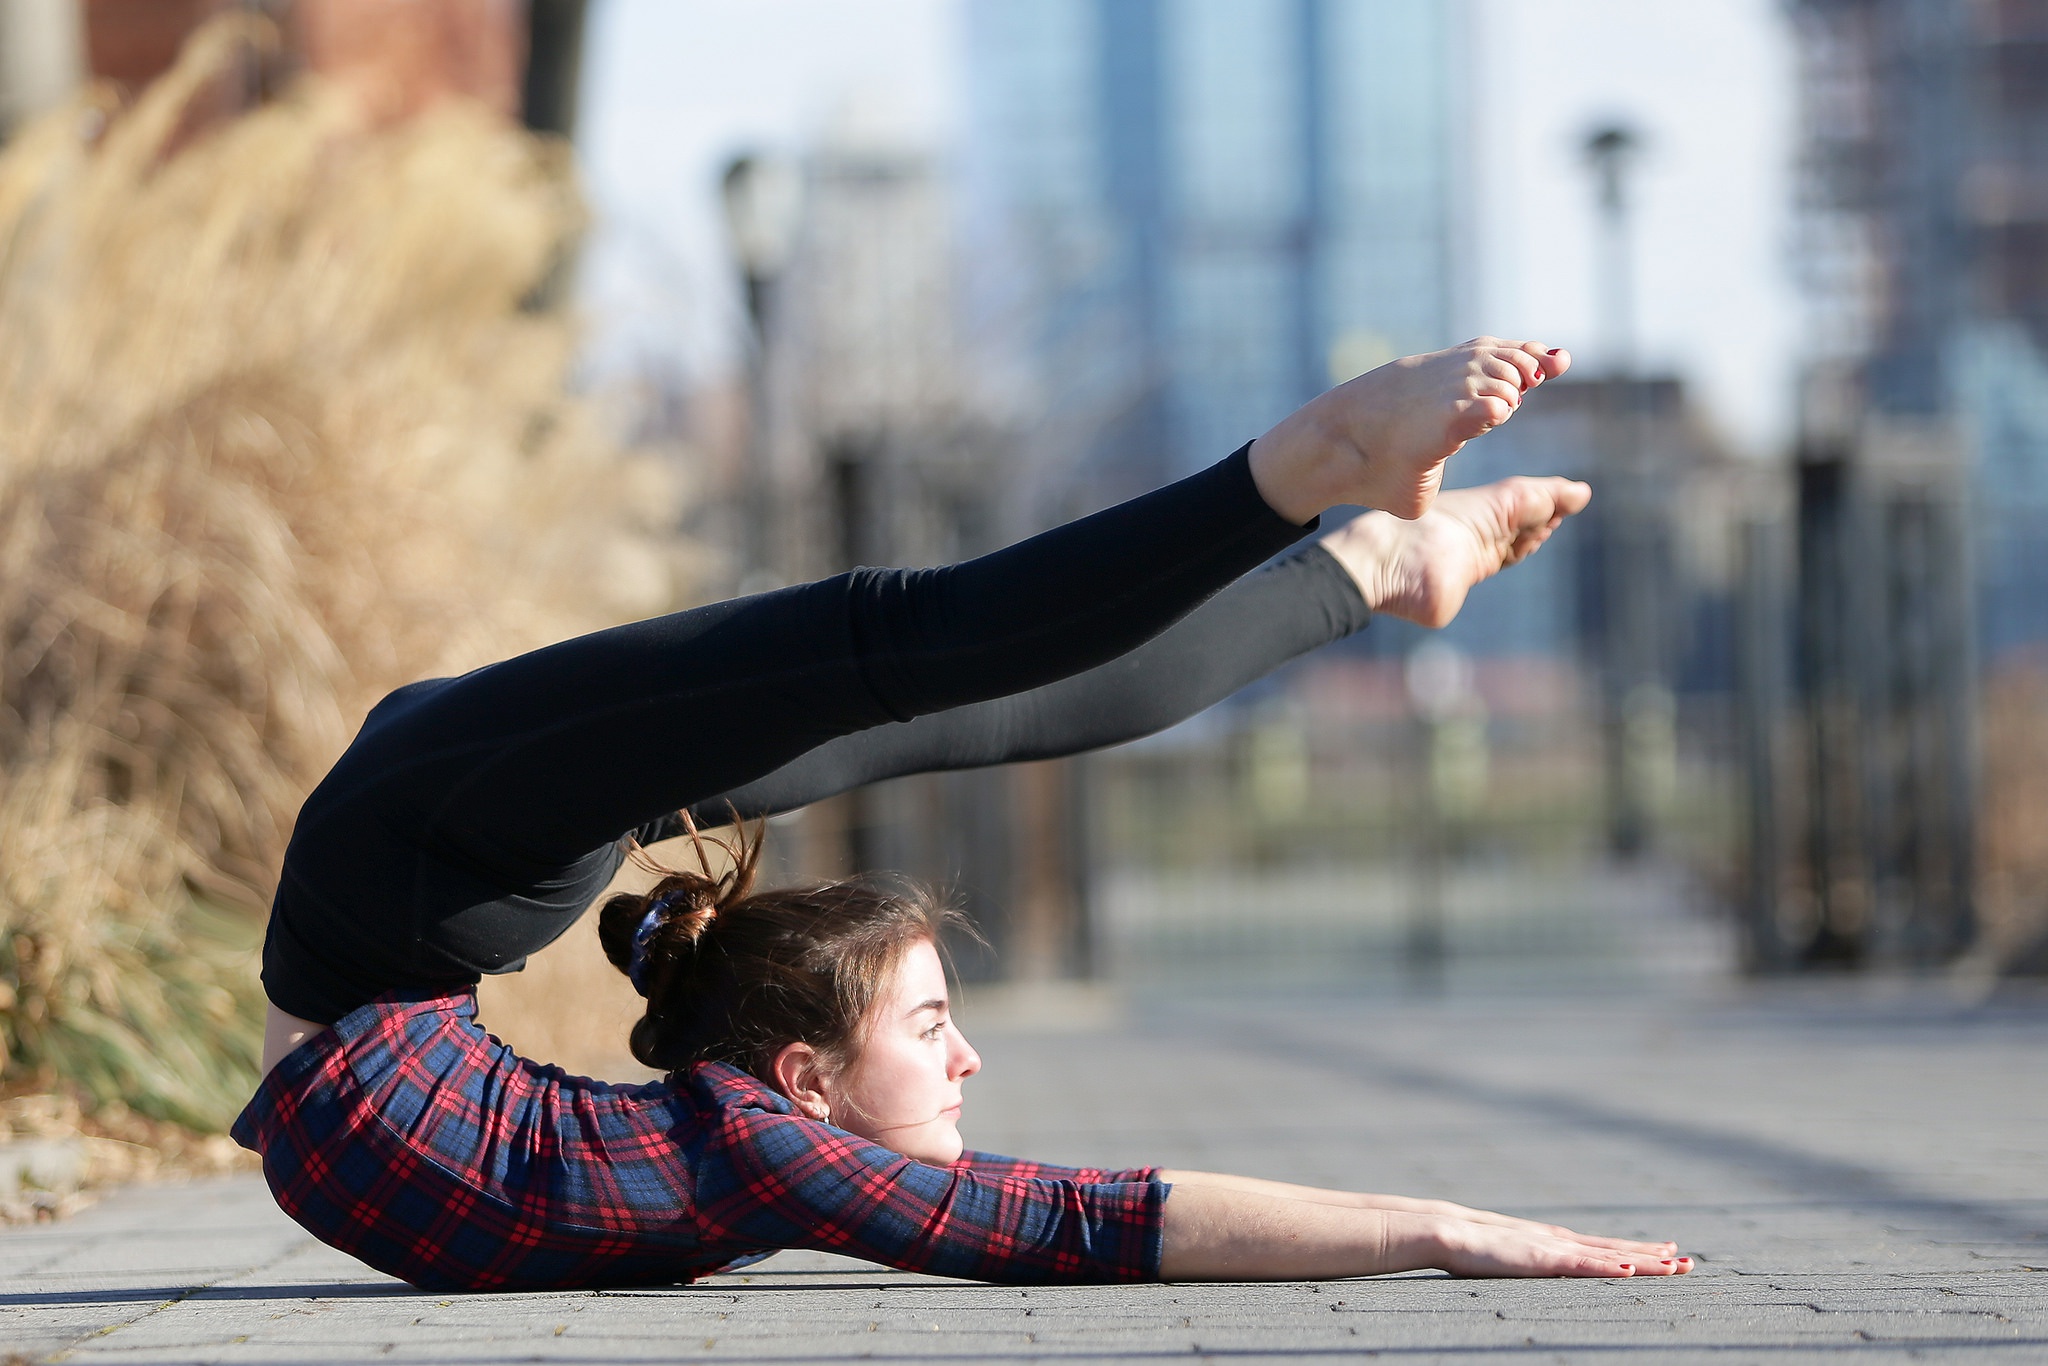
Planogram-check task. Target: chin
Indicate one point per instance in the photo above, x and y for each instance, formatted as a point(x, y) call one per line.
point(940, 1148)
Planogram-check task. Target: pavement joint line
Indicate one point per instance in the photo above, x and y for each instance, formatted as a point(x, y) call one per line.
point(1745, 1151)
point(110, 1329)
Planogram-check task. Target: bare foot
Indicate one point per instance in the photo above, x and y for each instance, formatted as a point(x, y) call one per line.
point(1382, 439)
point(1421, 570)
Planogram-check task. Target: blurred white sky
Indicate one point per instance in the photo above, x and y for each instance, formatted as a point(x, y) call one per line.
point(1710, 88)
point(673, 87)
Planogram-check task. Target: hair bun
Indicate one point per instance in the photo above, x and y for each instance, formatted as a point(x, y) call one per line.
point(689, 907)
point(678, 912)
point(644, 934)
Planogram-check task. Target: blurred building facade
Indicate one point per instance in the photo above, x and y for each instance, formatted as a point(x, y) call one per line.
point(1926, 245)
point(1922, 463)
point(520, 57)
point(1208, 210)
point(1178, 220)
point(872, 446)
point(1202, 214)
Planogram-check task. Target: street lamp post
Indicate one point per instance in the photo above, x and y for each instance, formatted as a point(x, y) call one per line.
point(1611, 152)
point(1637, 701)
point(1452, 730)
point(763, 201)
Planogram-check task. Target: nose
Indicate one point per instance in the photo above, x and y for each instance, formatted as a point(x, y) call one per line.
point(962, 1061)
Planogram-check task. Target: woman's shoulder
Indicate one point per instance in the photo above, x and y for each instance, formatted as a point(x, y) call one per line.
point(722, 1086)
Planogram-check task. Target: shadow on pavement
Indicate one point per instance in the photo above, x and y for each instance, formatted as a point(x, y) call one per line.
point(166, 1294)
point(1812, 1174)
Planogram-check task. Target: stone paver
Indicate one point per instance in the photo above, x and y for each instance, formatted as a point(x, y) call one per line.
point(1861, 1177)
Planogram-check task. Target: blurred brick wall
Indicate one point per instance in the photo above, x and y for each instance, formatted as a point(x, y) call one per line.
point(404, 54)
point(135, 41)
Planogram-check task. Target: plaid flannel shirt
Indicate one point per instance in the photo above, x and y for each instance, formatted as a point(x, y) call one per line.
point(411, 1139)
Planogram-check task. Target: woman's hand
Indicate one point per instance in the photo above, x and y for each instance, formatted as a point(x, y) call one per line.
point(1656, 1252)
point(1495, 1245)
point(1382, 439)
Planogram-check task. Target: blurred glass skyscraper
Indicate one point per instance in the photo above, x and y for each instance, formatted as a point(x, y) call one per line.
point(1925, 233)
point(1198, 213)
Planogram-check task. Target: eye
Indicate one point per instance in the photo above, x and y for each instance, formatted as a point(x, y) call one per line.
point(933, 1033)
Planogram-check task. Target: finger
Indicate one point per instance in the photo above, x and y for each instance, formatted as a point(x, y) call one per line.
point(1660, 1262)
point(1533, 1226)
point(1499, 1252)
point(1627, 1245)
point(1664, 1266)
point(1598, 1266)
point(1496, 1220)
point(1574, 1248)
point(1634, 1247)
point(1661, 1247)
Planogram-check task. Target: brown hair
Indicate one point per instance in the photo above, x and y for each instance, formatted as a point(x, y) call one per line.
point(733, 975)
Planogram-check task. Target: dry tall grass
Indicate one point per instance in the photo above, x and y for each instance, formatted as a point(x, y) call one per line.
point(275, 436)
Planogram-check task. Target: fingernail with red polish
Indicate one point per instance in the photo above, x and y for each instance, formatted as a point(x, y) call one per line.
point(1554, 350)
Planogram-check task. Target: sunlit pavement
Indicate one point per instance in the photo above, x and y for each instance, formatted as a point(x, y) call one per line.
point(1859, 1168)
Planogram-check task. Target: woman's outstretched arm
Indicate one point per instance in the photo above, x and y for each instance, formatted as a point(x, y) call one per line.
point(1232, 1228)
point(766, 1176)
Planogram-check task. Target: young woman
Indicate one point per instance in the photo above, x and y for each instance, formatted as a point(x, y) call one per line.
point(473, 820)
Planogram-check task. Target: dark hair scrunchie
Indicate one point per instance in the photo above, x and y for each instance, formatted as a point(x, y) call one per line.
point(643, 936)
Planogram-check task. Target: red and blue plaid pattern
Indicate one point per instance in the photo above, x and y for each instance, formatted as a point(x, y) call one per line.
point(408, 1137)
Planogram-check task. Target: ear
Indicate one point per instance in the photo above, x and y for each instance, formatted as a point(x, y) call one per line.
point(799, 1073)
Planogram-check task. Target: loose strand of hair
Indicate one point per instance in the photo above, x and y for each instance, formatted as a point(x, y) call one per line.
point(743, 854)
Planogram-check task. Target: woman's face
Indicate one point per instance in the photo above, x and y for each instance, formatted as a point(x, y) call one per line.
point(902, 1089)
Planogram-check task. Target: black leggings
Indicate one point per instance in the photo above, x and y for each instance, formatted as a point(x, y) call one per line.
point(474, 819)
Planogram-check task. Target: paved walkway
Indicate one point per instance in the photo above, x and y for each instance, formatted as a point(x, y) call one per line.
point(1861, 1178)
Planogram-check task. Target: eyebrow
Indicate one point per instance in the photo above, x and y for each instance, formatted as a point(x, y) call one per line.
point(935, 1003)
